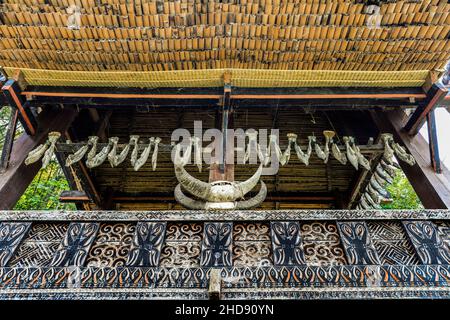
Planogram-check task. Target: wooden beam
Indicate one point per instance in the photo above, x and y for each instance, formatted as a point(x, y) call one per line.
point(208, 97)
point(9, 140)
point(73, 184)
point(435, 96)
point(433, 189)
point(74, 146)
point(362, 181)
point(67, 197)
point(433, 142)
point(12, 92)
point(18, 176)
point(73, 196)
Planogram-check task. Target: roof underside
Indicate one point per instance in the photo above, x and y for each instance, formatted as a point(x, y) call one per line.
point(297, 37)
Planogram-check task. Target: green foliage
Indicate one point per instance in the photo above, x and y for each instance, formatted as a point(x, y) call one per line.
point(402, 193)
point(43, 192)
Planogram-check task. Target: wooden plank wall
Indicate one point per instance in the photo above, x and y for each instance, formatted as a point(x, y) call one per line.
point(293, 179)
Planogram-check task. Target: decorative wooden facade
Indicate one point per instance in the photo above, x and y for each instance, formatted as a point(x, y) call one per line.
point(110, 81)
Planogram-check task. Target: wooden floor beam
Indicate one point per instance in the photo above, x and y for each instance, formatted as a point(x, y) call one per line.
point(433, 189)
point(15, 180)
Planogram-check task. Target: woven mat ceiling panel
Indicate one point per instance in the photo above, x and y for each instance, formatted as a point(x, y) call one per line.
point(92, 36)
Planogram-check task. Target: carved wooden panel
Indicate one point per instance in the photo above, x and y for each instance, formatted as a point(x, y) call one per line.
point(147, 242)
point(40, 245)
point(392, 243)
point(75, 246)
point(182, 245)
point(427, 241)
point(11, 234)
point(216, 244)
point(444, 232)
point(112, 245)
point(321, 244)
point(357, 243)
point(287, 243)
point(252, 245)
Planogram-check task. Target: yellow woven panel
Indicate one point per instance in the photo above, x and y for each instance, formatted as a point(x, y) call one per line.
point(214, 78)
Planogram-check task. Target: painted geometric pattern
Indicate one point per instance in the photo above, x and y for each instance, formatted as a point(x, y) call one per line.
point(357, 243)
point(252, 245)
point(182, 245)
point(444, 232)
point(392, 243)
point(321, 244)
point(112, 245)
point(75, 246)
point(40, 245)
point(287, 243)
point(427, 241)
point(216, 245)
point(11, 234)
point(270, 277)
point(147, 242)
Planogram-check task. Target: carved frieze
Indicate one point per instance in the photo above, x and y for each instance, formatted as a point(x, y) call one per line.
point(216, 244)
point(357, 243)
point(112, 245)
point(182, 246)
point(392, 243)
point(427, 241)
point(287, 243)
point(40, 245)
point(11, 234)
point(76, 244)
point(147, 242)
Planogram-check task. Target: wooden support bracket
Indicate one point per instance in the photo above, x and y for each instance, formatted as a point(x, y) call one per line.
point(435, 96)
point(433, 189)
point(17, 177)
point(12, 92)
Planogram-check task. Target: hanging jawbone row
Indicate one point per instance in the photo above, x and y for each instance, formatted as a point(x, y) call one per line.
point(95, 158)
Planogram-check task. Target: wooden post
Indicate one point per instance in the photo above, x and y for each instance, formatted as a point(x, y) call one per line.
point(18, 176)
point(9, 140)
point(433, 142)
point(215, 283)
point(224, 171)
point(433, 189)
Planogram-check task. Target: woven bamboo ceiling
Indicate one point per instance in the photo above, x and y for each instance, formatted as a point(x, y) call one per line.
point(294, 36)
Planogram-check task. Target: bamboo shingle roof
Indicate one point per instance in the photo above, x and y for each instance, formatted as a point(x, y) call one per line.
point(297, 43)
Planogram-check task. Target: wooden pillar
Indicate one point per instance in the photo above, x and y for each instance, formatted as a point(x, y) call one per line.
point(18, 176)
point(9, 140)
point(433, 142)
point(433, 189)
point(224, 121)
